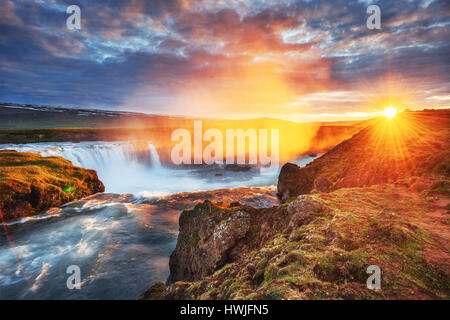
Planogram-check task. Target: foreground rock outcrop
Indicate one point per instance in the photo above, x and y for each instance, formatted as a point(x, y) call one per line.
point(30, 183)
point(319, 247)
point(209, 236)
point(213, 234)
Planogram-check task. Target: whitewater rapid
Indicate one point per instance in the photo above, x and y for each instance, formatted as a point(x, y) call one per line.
point(120, 244)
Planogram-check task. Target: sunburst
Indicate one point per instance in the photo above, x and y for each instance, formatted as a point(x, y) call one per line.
point(389, 112)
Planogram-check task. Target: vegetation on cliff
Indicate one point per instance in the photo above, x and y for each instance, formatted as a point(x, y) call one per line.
point(324, 252)
point(380, 198)
point(411, 144)
point(30, 183)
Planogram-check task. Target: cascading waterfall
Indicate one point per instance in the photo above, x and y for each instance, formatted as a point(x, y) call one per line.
point(135, 167)
point(156, 163)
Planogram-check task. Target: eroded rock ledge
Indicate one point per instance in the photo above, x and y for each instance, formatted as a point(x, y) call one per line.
point(214, 234)
point(30, 183)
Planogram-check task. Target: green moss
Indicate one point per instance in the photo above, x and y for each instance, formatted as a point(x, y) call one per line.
point(192, 288)
point(254, 296)
point(297, 234)
point(262, 264)
point(326, 264)
point(226, 283)
point(276, 293)
point(224, 270)
point(258, 277)
point(280, 240)
point(396, 234)
point(68, 189)
point(431, 278)
point(318, 240)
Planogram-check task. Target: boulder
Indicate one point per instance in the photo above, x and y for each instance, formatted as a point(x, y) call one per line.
point(303, 210)
point(294, 180)
point(212, 235)
point(208, 235)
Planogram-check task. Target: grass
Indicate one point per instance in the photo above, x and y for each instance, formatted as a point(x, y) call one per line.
point(327, 258)
point(30, 183)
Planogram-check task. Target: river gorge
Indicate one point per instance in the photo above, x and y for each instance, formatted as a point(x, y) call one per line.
point(121, 239)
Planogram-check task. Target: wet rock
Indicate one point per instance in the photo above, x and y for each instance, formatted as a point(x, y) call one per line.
point(237, 167)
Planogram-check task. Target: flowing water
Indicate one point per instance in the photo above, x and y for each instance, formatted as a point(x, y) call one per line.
point(122, 239)
point(119, 251)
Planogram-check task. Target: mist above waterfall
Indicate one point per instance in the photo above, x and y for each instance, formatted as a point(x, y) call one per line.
point(135, 167)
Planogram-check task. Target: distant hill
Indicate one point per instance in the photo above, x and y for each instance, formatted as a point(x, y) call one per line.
point(29, 116)
point(30, 124)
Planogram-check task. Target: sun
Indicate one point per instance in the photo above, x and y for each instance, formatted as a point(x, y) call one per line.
point(389, 112)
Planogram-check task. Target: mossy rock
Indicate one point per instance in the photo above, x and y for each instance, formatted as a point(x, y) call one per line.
point(30, 183)
point(155, 292)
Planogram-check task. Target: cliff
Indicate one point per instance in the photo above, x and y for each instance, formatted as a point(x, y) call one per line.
point(316, 247)
point(380, 198)
point(30, 183)
point(412, 144)
point(213, 234)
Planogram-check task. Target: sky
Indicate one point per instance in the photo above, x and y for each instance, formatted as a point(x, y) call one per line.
point(300, 60)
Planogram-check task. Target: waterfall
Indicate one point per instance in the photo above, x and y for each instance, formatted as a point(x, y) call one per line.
point(154, 156)
point(135, 167)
